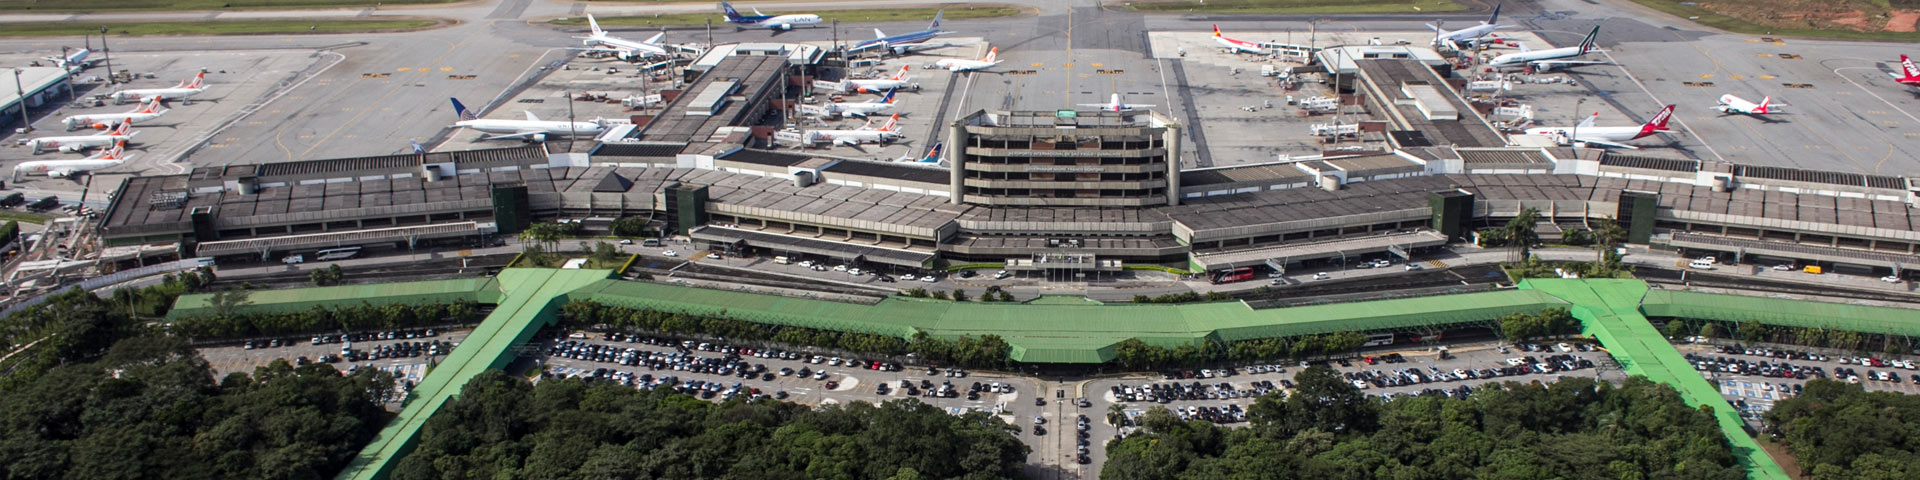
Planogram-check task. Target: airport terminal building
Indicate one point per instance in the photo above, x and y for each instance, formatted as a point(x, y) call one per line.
point(1067, 191)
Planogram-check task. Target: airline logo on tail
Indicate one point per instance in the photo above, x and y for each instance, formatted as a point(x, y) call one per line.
point(1906, 66)
point(594, 25)
point(901, 75)
point(991, 52)
point(1762, 109)
point(114, 154)
point(152, 106)
point(1496, 14)
point(890, 122)
point(732, 15)
point(1657, 124)
point(889, 98)
point(121, 129)
point(196, 82)
point(465, 114)
point(1589, 44)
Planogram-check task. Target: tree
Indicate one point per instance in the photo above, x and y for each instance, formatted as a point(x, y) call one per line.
point(1005, 297)
point(1520, 235)
point(1117, 415)
point(606, 253)
point(326, 277)
point(629, 227)
point(959, 295)
point(1710, 330)
point(227, 303)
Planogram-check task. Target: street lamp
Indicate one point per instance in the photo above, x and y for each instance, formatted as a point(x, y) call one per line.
point(108, 52)
point(25, 125)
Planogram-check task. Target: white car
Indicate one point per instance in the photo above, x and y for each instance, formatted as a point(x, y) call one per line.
point(1413, 266)
point(1001, 274)
point(806, 263)
point(908, 277)
point(1783, 267)
point(626, 241)
point(1320, 276)
point(929, 279)
point(1564, 348)
point(670, 253)
point(839, 268)
point(1890, 279)
point(853, 271)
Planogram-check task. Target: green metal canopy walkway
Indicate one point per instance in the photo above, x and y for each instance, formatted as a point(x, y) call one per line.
point(1614, 311)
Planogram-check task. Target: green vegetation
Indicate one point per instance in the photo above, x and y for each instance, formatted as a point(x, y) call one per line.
point(9, 232)
point(217, 27)
point(501, 427)
point(986, 351)
point(826, 16)
point(37, 6)
point(1550, 323)
point(327, 277)
point(1295, 6)
point(149, 408)
point(1576, 428)
point(1842, 432)
point(1184, 297)
point(1701, 15)
point(629, 227)
point(223, 324)
point(1751, 331)
point(36, 218)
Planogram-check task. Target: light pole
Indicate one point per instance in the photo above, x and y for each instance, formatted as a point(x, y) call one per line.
point(108, 52)
point(25, 125)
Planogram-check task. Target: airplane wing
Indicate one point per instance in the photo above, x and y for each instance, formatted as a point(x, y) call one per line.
point(520, 135)
point(655, 39)
point(1093, 105)
point(1558, 64)
point(1137, 105)
point(844, 141)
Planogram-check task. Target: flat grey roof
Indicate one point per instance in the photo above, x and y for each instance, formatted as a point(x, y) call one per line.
point(814, 246)
point(1389, 74)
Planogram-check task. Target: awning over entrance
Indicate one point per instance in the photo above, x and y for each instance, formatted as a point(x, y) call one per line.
point(1289, 253)
point(814, 246)
point(337, 239)
point(1796, 251)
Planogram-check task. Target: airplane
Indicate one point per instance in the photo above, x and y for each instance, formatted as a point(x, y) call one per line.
point(933, 154)
point(771, 22)
point(1467, 35)
point(862, 109)
point(906, 42)
point(1732, 104)
point(864, 134)
point(1912, 76)
point(1236, 46)
point(623, 48)
point(880, 84)
point(147, 111)
point(181, 91)
point(1544, 60)
point(74, 61)
point(66, 168)
point(1606, 136)
point(1115, 105)
point(531, 130)
point(957, 65)
point(75, 144)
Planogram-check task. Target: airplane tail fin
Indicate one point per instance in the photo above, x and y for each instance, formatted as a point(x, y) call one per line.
point(936, 19)
point(901, 75)
point(991, 53)
point(1495, 18)
point(1906, 66)
point(198, 80)
point(889, 98)
point(1764, 103)
point(114, 154)
point(531, 117)
point(1588, 122)
point(1589, 44)
point(121, 129)
point(462, 110)
point(152, 106)
point(1216, 30)
point(595, 26)
point(417, 149)
point(732, 15)
point(1658, 123)
point(890, 122)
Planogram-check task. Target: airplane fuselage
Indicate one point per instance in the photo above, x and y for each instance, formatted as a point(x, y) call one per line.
point(1522, 58)
point(77, 121)
point(73, 143)
point(62, 168)
point(777, 22)
point(126, 96)
point(508, 127)
point(1601, 134)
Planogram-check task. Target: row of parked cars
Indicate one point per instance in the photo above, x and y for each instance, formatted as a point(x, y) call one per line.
point(397, 350)
point(1232, 413)
point(771, 354)
point(1176, 391)
point(1461, 391)
point(1762, 368)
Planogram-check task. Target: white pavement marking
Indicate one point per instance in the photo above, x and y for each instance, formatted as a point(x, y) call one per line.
point(1876, 96)
point(249, 110)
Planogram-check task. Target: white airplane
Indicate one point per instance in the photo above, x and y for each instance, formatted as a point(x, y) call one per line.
point(1607, 136)
point(1115, 105)
point(849, 109)
point(1550, 59)
point(74, 61)
point(532, 130)
point(65, 168)
point(1467, 35)
point(623, 48)
point(181, 91)
point(864, 134)
point(75, 144)
point(906, 42)
point(770, 22)
point(880, 84)
point(147, 111)
point(1236, 46)
point(957, 65)
point(1732, 104)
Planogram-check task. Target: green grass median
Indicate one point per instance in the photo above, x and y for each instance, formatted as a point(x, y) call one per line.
point(1707, 17)
point(238, 27)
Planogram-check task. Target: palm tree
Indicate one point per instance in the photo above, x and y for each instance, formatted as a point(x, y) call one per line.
point(1520, 234)
point(1116, 415)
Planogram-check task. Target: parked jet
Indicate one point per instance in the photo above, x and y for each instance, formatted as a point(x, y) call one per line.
point(771, 22)
point(1236, 46)
point(1467, 35)
point(880, 84)
point(1911, 74)
point(957, 65)
point(623, 48)
point(1733, 104)
point(147, 111)
point(907, 42)
point(75, 144)
point(73, 61)
point(65, 168)
point(1586, 132)
point(532, 130)
point(1115, 105)
point(1550, 59)
point(851, 109)
point(181, 91)
point(864, 134)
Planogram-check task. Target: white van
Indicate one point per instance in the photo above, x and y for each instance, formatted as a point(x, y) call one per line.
point(782, 260)
point(1701, 264)
point(293, 259)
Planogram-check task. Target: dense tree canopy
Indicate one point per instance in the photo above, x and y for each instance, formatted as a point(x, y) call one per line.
point(502, 427)
point(985, 351)
point(1840, 431)
point(1574, 429)
point(149, 408)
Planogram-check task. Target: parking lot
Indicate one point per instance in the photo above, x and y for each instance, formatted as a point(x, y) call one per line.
point(1754, 377)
